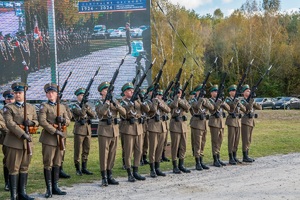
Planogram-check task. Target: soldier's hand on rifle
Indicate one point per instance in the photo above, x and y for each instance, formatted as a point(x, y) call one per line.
point(60, 119)
point(236, 101)
point(28, 123)
point(113, 101)
point(142, 97)
point(61, 134)
point(26, 137)
point(86, 99)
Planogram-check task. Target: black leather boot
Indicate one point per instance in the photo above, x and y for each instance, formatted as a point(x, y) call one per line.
point(84, 169)
point(145, 161)
point(62, 174)
point(130, 176)
point(48, 180)
point(246, 158)
point(202, 164)
point(78, 171)
point(110, 179)
point(13, 180)
point(216, 161)
point(248, 155)
point(222, 163)
point(123, 161)
point(198, 164)
point(136, 174)
point(235, 158)
point(231, 159)
point(55, 177)
point(6, 179)
point(164, 158)
point(175, 167)
point(152, 171)
point(22, 195)
point(158, 171)
point(104, 178)
point(182, 168)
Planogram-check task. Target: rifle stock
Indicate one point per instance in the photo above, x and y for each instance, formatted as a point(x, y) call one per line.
point(26, 128)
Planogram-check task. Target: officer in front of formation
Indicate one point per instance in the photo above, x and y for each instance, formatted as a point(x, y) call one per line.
point(133, 131)
point(51, 138)
point(198, 125)
point(17, 157)
point(233, 123)
point(108, 133)
point(248, 121)
point(82, 131)
point(9, 98)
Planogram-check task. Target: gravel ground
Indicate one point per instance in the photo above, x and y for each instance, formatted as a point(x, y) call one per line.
point(273, 177)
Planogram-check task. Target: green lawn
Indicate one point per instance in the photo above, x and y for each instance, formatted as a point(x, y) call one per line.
point(276, 132)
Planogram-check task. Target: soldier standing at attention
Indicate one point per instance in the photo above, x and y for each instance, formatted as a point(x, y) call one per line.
point(157, 129)
point(108, 132)
point(234, 124)
point(9, 98)
point(52, 153)
point(178, 128)
point(198, 125)
point(144, 160)
point(82, 132)
point(17, 157)
point(133, 131)
point(127, 28)
point(248, 122)
point(216, 125)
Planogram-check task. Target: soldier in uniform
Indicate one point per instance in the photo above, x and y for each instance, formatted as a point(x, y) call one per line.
point(178, 129)
point(8, 96)
point(82, 132)
point(50, 138)
point(157, 129)
point(108, 132)
point(144, 160)
point(234, 124)
point(133, 131)
point(128, 37)
point(248, 122)
point(216, 125)
point(17, 157)
point(198, 125)
point(122, 136)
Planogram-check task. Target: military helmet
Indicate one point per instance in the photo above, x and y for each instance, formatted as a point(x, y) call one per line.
point(103, 85)
point(245, 87)
point(198, 88)
point(127, 86)
point(50, 87)
point(19, 87)
point(79, 91)
point(214, 88)
point(232, 88)
point(8, 94)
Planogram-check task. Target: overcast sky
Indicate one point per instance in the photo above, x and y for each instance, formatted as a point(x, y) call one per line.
point(228, 6)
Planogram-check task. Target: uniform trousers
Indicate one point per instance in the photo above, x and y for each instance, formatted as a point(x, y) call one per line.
point(107, 152)
point(133, 143)
point(52, 156)
point(246, 136)
point(217, 135)
point(81, 144)
point(196, 141)
point(17, 160)
point(178, 143)
point(233, 138)
point(156, 146)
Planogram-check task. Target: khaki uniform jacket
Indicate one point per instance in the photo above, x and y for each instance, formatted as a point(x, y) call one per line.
point(108, 111)
point(250, 106)
point(3, 128)
point(133, 111)
point(85, 113)
point(14, 116)
point(199, 108)
point(179, 108)
point(235, 110)
point(157, 108)
point(47, 118)
point(213, 120)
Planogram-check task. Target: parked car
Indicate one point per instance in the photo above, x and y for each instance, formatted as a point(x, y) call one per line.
point(285, 102)
point(295, 105)
point(136, 32)
point(144, 27)
point(103, 34)
point(118, 34)
point(265, 102)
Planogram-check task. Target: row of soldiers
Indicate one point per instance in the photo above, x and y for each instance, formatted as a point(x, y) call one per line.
point(131, 118)
point(34, 52)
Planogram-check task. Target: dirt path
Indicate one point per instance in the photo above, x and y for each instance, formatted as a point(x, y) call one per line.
point(273, 177)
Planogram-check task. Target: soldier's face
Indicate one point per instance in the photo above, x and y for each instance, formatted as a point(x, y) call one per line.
point(213, 94)
point(179, 93)
point(9, 100)
point(19, 96)
point(159, 96)
point(247, 93)
point(51, 95)
point(232, 93)
point(104, 92)
point(80, 97)
point(128, 93)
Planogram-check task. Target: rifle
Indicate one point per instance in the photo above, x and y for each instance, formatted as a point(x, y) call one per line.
point(220, 93)
point(60, 139)
point(112, 82)
point(186, 84)
point(239, 87)
point(86, 93)
point(137, 88)
point(157, 79)
point(166, 93)
point(26, 128)
point(137, 73)
point(255, 87)
point(64, 85)
point(177, 80)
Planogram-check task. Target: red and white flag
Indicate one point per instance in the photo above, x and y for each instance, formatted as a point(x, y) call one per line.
point(36, 32)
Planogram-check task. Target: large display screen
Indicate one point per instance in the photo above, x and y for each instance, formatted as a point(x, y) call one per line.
point(84, 41)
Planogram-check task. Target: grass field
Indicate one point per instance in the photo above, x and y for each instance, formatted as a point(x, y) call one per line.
point(276, 132)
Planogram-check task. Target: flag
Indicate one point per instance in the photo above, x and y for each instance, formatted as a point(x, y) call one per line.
point(36, 32)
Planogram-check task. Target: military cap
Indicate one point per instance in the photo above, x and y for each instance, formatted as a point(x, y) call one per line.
point(122, 94)
point(143, 91)
point(8, 94)
point(192, 92)
point(7, 35)
point(232, 88)
point(245, 87)
point(50, 87)
point(160, 92)
point(103, 85)
point(19, 86)
point(79, 91)
point(127, 86)
point(214, 88)
point(198, 88)
point(180, 88)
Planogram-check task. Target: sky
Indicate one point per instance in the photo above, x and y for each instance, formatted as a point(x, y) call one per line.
point(203, 7)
